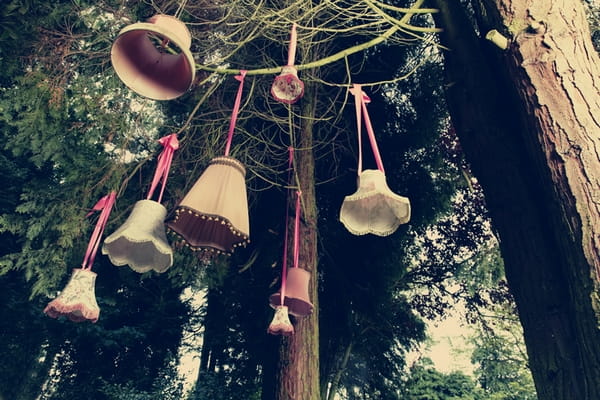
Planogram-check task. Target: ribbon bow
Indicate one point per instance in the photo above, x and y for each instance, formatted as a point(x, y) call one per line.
point(170, 144)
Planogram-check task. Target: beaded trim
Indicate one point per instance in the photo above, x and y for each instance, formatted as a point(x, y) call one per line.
point(244, 238)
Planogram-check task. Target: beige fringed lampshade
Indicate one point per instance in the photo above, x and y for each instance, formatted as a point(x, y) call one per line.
point(374, 208)
point(141, 241)
point(213, 215)
point(77, 301)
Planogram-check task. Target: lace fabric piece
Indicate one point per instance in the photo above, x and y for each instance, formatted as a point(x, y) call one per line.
point(77, 301)
point(287, 87)
point(141, 242)
point(374, 208)
point(281, 325)
point(213, 215)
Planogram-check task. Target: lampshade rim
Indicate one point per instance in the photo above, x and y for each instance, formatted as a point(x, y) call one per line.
point(85, 269)
point(182, 208)
point(57, 308)
point(229, 161)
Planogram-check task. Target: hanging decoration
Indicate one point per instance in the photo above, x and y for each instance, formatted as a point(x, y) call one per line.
point(295, 280)
point(287, 87)
point(77, 301)
point(373, 208)
point(213, 215)
point(281, 325)
point(141, 242)
point(145, 59)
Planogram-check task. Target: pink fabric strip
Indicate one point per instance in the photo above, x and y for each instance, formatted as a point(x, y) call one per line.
point(170, 144)
point(360, 103)
point(105, 205)
point(356, 90)
point(297, 230)
point(236, 108)
point(292, 49)
point(286, 236)
point(374, 146)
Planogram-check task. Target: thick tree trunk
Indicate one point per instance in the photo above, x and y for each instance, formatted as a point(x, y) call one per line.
point(299, 354)
point(529, 121)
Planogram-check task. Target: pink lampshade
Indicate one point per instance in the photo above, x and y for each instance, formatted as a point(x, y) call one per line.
point(77, 301)
point(296, 298)
point(287, 87)
point(374, 208)
point(141, 60)
point(213, 215)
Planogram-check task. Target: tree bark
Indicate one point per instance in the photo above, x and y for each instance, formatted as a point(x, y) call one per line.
point(298, 368)
point(528, 119)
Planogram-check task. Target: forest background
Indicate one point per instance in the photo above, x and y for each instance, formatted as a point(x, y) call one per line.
point(71, 131)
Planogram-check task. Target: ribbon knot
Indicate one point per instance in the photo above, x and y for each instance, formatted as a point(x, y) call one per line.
point(170, 144)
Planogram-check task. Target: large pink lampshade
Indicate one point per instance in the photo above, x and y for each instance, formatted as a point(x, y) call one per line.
point(142, 60)
point(213, 215)
point(374, 208)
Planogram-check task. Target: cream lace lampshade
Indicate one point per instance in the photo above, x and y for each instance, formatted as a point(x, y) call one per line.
point(374, 208)
point(213, 215)
point(141, 242)
point(281, 325)
point(77, 301)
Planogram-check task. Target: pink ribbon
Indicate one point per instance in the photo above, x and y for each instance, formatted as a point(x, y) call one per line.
point(236, 108)
point(361, 100)
point(297, 230)
point(292, 49)
point(286, 236)
point(170, 144)
point(105, 205)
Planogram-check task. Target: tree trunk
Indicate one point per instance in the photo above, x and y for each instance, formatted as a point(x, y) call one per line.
point(528, 120)
point(298, 370)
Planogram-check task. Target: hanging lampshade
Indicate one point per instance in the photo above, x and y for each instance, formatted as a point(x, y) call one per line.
point(141, 242)
point(77, 301)
point(374, 208)
point(213, 215)
point(296, 296)
point(287, 87)
point(143, 62)
point(281, 325)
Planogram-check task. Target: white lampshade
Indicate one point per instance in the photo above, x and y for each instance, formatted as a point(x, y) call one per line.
point(141, 242)
point(374, 208)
